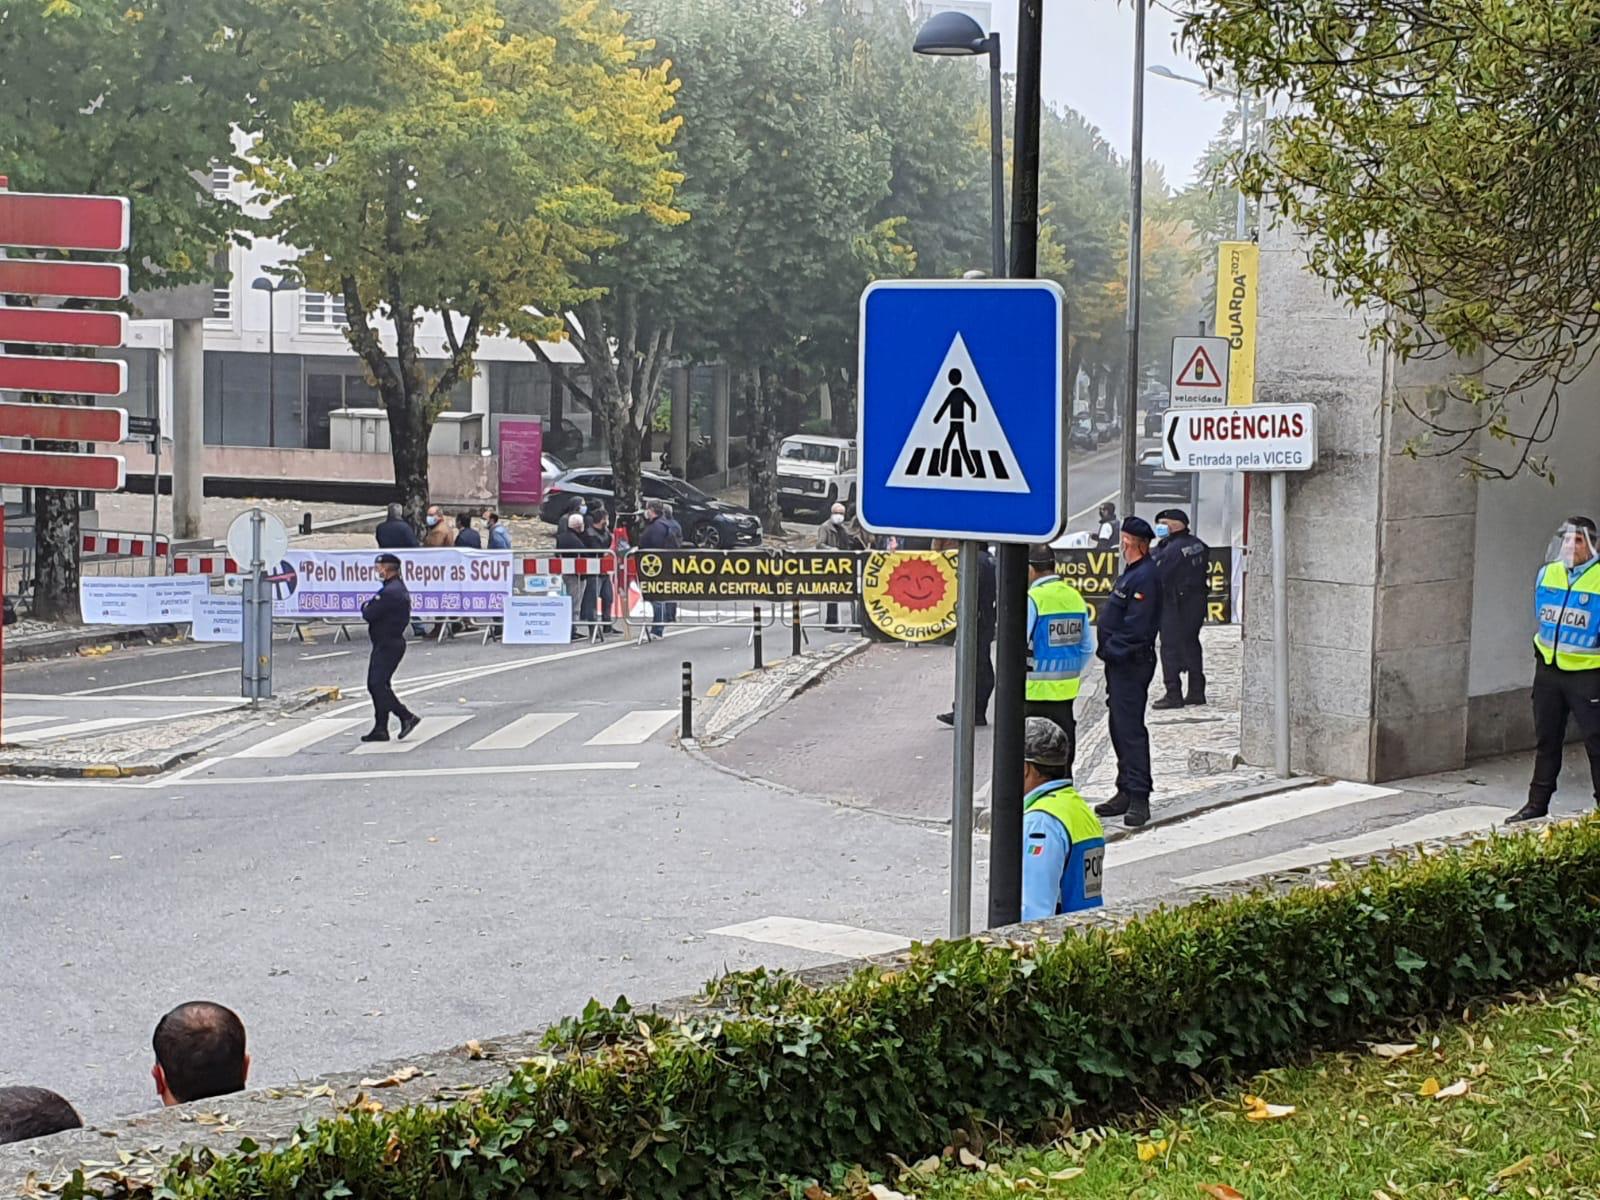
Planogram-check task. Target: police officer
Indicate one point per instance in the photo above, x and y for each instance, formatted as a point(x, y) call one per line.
point(387, 614)
point(1060, 643)
point(1181, 558)
point(1566, 668)
point(1063, 846)
point(1129, 619)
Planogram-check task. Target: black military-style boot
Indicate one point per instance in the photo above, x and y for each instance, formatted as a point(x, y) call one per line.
point(1531, 811)
point(1170, 700)
point(1113, 807)
point(1138, 812)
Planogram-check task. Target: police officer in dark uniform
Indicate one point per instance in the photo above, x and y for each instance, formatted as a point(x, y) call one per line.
point(387, 614)
point(1182, 559)
point(1129, 619)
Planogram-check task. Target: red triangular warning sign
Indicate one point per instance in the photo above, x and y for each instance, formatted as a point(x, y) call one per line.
point(1199, 371)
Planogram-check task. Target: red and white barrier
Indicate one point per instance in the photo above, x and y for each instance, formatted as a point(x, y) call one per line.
point(203, 564)
point(571, 564)
point(123, 543)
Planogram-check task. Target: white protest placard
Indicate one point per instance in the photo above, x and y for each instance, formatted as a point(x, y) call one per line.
point(217, 619)
point(538, 620)
point(106, 600)
point(172, 597)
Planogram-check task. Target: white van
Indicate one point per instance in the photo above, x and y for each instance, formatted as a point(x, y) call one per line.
point(815, 472)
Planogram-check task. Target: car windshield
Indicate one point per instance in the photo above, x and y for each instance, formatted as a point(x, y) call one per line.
point(674, 489)
point(813, 452)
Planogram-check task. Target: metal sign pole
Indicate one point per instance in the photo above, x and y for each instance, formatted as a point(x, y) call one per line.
point(965, 716)
point(155, 496)
point(1280, 629)
point(247, 636)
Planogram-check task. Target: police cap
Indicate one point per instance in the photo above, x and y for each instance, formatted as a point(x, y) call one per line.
point(388, 560)
point(1138, 527)
point(1044, 743)
point(1173, 514)
point(1041, 556)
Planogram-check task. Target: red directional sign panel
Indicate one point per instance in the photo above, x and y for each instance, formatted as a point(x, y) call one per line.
point(62, 326)
point(63, 376)
point(62, 423)
point(63, 222)
point(83, 472)
point(86, 281)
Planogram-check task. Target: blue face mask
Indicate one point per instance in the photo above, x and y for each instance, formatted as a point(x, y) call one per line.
point(1163, 530)
point(583, 508)
point(433, 521)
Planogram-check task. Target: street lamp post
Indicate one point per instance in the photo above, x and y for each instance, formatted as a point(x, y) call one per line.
point(956, 35)
point(272, 287)
point(1130, 405)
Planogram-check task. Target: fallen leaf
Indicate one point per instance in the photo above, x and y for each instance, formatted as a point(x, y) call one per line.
point(968, 1159)
point(395, 1080)
point(1488, 1044)
point(1455, 1091)
point(1430, 1087)
point(474, 1049)
point(1221, 1191)
point(1068, 1173)
point(1149, 1151)
point(880, 1192)
point(1394, 1049)
point(1257, 1109)
point(362, 1104)
point(927, 1166)
point(1380, 1194)
point(1516, 1168)
point(816, 1192)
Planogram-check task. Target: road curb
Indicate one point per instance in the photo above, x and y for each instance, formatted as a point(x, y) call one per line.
point(72, 641)
point(304, 699)
point(815, 672)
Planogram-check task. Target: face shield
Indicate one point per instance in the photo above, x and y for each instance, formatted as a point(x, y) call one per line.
point(1572, 546)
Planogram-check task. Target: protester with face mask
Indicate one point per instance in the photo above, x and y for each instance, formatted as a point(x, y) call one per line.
point(835, 534)
point(1566, 668)
point(439, 532)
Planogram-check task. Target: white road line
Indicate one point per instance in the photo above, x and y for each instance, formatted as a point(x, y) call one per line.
point(73, 728)
point(329, 654)
point(846, 941)
point(522, 732)
point(638, 726)
point(79, 698)
point(292, 741)
point(1445, 823)
point(138, 683)
point(403, 773)
point(19, 722)
point(430, 728)
point(1239, 819)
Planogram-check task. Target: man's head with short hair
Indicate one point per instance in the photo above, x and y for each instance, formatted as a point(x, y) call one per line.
point(396, 512)
point(575, 521)
point(200, 1053)
point(463, 520)
point(30, 1112)
point(491, 517)
point(1041, 562)
point(652, 509)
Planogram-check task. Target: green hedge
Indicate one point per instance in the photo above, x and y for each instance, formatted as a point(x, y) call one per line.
point(890, 1062)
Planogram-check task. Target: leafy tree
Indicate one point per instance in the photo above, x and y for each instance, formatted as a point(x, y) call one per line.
point(132, 98)
point(1442, 159)
point(477, 153)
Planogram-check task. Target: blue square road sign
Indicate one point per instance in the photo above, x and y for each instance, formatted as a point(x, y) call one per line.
point(962, 423)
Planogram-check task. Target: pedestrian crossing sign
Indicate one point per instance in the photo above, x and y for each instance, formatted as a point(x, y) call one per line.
point(961, 416)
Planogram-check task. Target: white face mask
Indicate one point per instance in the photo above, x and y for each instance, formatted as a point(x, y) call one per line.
point(837, 518)
point(433, 521)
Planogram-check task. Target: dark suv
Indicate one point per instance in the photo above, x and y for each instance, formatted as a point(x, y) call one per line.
point(706, 521)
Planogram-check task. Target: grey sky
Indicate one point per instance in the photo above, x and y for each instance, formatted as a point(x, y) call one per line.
point(1088, 65)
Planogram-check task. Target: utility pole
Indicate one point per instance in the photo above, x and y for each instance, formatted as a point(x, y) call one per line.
point(1011, 615)
point(1130, 406)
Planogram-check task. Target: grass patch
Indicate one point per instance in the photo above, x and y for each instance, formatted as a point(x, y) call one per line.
point(1363, 1126)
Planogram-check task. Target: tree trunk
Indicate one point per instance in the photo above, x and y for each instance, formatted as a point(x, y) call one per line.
point(623, 440)
point(844, 406)
point(1074, 364)
point(408, 448)
point(55, 549)
point(764, 456)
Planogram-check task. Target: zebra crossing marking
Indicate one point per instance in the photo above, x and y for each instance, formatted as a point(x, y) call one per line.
point(430, 728)
point(522, 732)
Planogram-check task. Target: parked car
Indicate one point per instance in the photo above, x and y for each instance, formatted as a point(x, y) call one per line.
point(1152, 480)
point(551, 469)
point(706, 521)
point(1082, 435)
point(816, 472)
point(1155, 409)
point(1106, 428)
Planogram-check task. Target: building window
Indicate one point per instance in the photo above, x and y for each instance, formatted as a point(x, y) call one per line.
point(321, 308)
point(222, 302)
point(221, 180)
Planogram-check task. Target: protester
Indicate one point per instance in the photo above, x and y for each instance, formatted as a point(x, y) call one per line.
point(598, 593)
point(31, 1112)
point(395, 532)
point(499, 535)
point(988, 595)
point(1181, 558)
point(1063, 843)
point(387, 614)
point(570, 540)
point(1129, 620)
point(661, 532)
point(1105, 533)
point(835, 534)
point(466, 536)
point(200, 1053)
point(439, 533)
